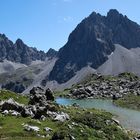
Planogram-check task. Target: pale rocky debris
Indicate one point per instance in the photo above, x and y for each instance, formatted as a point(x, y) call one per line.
point(62, 117)
point(31, 128)
point(47, 129)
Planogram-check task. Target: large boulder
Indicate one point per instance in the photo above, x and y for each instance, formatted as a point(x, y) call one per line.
point(11, 105)
point(62, 117)
point(36, 90)
point(49, 94)
point(39, 103)
point(38, 99)
point(29, 110)
point(39, 96)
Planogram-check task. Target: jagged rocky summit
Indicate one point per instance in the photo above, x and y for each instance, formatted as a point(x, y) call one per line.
point(18, 52)
point(92, 42)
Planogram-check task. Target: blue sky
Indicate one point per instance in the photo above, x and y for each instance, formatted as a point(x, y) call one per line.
point(47, 24)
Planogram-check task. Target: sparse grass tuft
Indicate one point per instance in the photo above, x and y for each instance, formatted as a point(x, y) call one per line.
point(5, 95)
point(129, 101)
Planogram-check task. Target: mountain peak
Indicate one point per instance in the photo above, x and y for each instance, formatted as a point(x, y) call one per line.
point(19, 52)
point(113, 12)
point(51, 53)
point(3, 35)
point(93, 41)
point(94, 15)
point(19, 41)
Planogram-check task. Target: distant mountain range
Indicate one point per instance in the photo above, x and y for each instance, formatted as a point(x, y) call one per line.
point(19, 52)
point(99, 44)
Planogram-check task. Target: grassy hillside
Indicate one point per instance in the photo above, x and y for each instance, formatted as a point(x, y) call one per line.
point(5, 95)
point(84, 124)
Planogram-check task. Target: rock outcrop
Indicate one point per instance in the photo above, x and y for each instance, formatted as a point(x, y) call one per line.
point(40, 106)
point(11, 105)
point(99, 86)
point(39, 96)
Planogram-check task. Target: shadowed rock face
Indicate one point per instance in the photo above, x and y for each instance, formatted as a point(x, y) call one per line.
point(18, 52)
point(40, 96)
point(51, 53)
point(92, 41)
point(14, 86)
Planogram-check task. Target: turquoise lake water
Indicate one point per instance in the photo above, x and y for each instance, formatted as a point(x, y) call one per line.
point(128, 118)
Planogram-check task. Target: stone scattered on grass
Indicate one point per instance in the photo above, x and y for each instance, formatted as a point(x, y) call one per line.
point(11, 112)
point(14, 113)
point(47, 129)
point(5, 112)
point(62, 117)
point(31, 128)
point(41, 136)
point(116, 121)
point(69, 126)
point(11, 105)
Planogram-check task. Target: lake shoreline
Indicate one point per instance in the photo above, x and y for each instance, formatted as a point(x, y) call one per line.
point(128, 118)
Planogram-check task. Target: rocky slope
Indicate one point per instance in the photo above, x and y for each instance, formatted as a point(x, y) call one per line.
point(93, 41)
point(97, 86)
point(121, 60)
point(26, 76)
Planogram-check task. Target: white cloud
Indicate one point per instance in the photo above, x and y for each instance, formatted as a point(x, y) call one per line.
point(67, 19)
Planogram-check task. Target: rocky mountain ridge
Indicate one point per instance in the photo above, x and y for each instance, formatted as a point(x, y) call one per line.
point(93, 41)
point(19, 52)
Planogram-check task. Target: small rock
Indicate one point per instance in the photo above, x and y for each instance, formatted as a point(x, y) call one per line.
point(72, 137)
point(47, 129)
point(62, 117)
point(43, 118)
point(5, 112)
point(15, 113)
point(31, 128)
point(116, 121)
point(75, 105)
point(41, 136)
point(69, 126)
point(75, 124)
